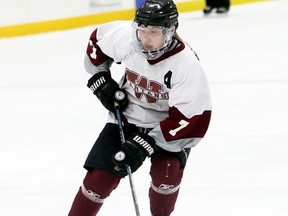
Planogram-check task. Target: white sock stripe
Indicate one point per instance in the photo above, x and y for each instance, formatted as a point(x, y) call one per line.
point(165, 189)
point(91, 195)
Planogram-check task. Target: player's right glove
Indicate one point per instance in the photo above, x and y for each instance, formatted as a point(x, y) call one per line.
point(134, 151)
point(107, 91)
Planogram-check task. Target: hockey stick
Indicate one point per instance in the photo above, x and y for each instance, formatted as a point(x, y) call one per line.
point(132, 187)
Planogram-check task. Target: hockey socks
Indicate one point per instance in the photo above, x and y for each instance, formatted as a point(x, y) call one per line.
point(166, 177)
point(97, 185)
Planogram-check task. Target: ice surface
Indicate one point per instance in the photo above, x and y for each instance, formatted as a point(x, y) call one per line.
point(49, 120)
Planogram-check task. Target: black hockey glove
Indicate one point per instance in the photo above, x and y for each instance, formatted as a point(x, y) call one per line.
point(134, 151)
point(107, 91)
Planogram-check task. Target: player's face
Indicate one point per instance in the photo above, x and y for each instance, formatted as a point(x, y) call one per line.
point(152, 38)
point(151, 41)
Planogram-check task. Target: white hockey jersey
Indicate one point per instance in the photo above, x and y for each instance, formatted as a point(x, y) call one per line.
point(169, 94)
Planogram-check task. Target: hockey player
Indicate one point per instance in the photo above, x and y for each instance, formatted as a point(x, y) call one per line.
point(165, 103)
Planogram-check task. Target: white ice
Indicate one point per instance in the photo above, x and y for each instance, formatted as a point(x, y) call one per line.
point(49, 120)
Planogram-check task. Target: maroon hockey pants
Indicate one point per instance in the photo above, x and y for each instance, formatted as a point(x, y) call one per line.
point(166, 176)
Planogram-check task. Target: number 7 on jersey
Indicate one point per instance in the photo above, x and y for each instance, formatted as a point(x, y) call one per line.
point(182, 123)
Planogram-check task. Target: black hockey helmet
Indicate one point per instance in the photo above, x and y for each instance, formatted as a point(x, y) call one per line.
point(157, 13)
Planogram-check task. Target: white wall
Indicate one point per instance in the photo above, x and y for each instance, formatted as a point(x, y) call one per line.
point(98, 6)
point(24, 11)
point(14, 12)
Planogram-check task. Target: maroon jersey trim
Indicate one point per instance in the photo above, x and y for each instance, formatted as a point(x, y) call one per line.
point(166, 55)
point(177, 126)
point(95, 54)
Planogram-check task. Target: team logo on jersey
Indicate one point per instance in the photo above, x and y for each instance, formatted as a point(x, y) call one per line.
point(143, 87)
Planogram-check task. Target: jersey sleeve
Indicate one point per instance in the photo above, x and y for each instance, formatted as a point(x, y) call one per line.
point(189, 110)
point(95, 60)
point(104, 47)
point(115, 39)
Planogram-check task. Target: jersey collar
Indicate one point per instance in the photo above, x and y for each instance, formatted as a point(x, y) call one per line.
point(176, 47)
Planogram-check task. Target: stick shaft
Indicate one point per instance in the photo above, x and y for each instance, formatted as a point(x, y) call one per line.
point(132, 187)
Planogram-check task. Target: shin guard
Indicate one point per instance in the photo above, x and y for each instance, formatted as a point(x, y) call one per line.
point(166, 177)
point(97, 185)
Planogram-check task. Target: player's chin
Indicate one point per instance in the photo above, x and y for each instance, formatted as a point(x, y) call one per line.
point(148, 47)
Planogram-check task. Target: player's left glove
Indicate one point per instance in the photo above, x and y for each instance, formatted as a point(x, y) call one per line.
point(108, 91)
point(135, 150)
